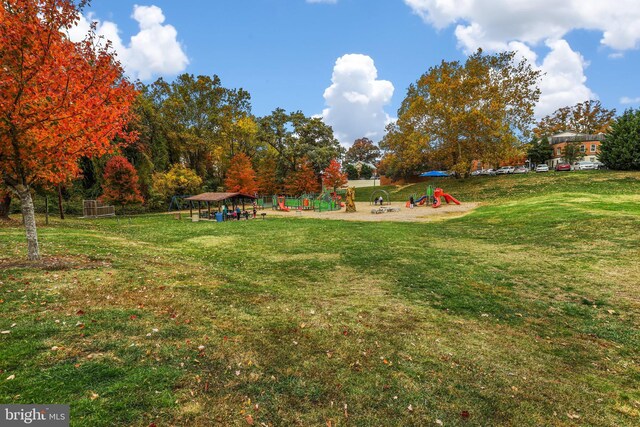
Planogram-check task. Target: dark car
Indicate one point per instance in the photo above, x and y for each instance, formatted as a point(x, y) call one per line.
point(560, 167)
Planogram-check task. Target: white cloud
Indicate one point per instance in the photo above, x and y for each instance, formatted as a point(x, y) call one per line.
point(564, 82)
point(521, 25)
point(153, 51)
point(356, 99)
point(625, 100)
point(489, 22)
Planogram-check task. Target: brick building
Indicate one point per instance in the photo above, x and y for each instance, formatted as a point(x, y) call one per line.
point(589, 146)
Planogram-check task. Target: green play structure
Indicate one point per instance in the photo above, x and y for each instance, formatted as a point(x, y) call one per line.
point(323, 202)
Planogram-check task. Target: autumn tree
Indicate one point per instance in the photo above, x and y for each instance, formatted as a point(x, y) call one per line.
point(621, 147)
point(120, 183)
point(362, 150)
point(588, 117)
point(266, 178)
point(241, 178)
point(59, 100)
point(458, 113)
point(5, 204)
point(333, 177)
point(179, 180)
point(303, 180)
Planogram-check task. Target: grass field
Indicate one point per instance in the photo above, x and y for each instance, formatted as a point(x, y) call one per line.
point(523, 313)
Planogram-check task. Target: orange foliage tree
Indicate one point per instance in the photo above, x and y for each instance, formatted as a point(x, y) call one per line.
point(120, 182)
point(241, 177)
point(333, 177)
point(59, 100)
point(267, 180)
point(303, 180)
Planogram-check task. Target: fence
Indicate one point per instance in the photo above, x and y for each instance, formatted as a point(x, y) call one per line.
point(95, 209)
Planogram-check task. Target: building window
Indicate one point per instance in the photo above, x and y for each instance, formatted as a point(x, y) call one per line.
point(582, 149)
point(558, 151)
point(593, 148)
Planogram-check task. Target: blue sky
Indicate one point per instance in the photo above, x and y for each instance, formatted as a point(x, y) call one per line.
point(284, 51)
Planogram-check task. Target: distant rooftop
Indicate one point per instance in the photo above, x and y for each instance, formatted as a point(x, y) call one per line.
point(575, 137)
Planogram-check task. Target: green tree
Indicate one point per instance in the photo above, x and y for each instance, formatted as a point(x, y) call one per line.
point(291, 137)
point(351, 171)
point(571, 152)
point(366, 172)
point(458, 113)
point(621, 148)
point(539, 150)
point(204, 123)
point(362, 150)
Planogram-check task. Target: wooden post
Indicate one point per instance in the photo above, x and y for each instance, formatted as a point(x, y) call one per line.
point(190, 209)
point(209, 210)
point(46, 209)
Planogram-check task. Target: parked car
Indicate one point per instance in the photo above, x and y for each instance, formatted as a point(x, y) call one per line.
point(584, 166)
point(520, 169)
point(542, 168)
point(599, 165)
point(560, 167)
point(505, 170)
point(477, 172)
point(490, 172)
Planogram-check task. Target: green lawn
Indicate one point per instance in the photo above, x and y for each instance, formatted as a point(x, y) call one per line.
point(522, 313)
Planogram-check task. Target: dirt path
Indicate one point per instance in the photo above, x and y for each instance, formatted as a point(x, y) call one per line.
point(417, 214)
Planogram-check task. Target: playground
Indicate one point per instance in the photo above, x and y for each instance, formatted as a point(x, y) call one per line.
point(399, 214)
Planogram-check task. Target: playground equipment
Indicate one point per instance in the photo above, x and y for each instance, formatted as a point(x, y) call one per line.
point(325, 201)
point(376, 195)
point(281, 204)
point(178, 202)
point(426, 198)
point(438, 193)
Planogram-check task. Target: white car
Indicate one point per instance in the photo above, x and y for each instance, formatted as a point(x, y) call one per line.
point(520, 169)
point(505, 170)
point(584, 166)
point(542, 168)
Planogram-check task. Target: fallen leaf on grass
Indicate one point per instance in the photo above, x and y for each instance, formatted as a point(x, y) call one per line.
point(249, 420)
point(439, 422)
point(11, 377)
point(573, 416)
point(464, 414)
point(94, 396)
point(5, 332)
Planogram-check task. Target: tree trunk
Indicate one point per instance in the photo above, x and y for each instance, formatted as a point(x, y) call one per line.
point(60, 202)
point(28, 214)
point(5, 206)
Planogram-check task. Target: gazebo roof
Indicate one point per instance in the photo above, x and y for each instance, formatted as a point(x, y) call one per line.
point(218, 197)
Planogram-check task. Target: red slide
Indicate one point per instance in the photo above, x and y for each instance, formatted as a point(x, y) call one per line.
point(283, 207)
point(447, 197)
point(281, 204)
